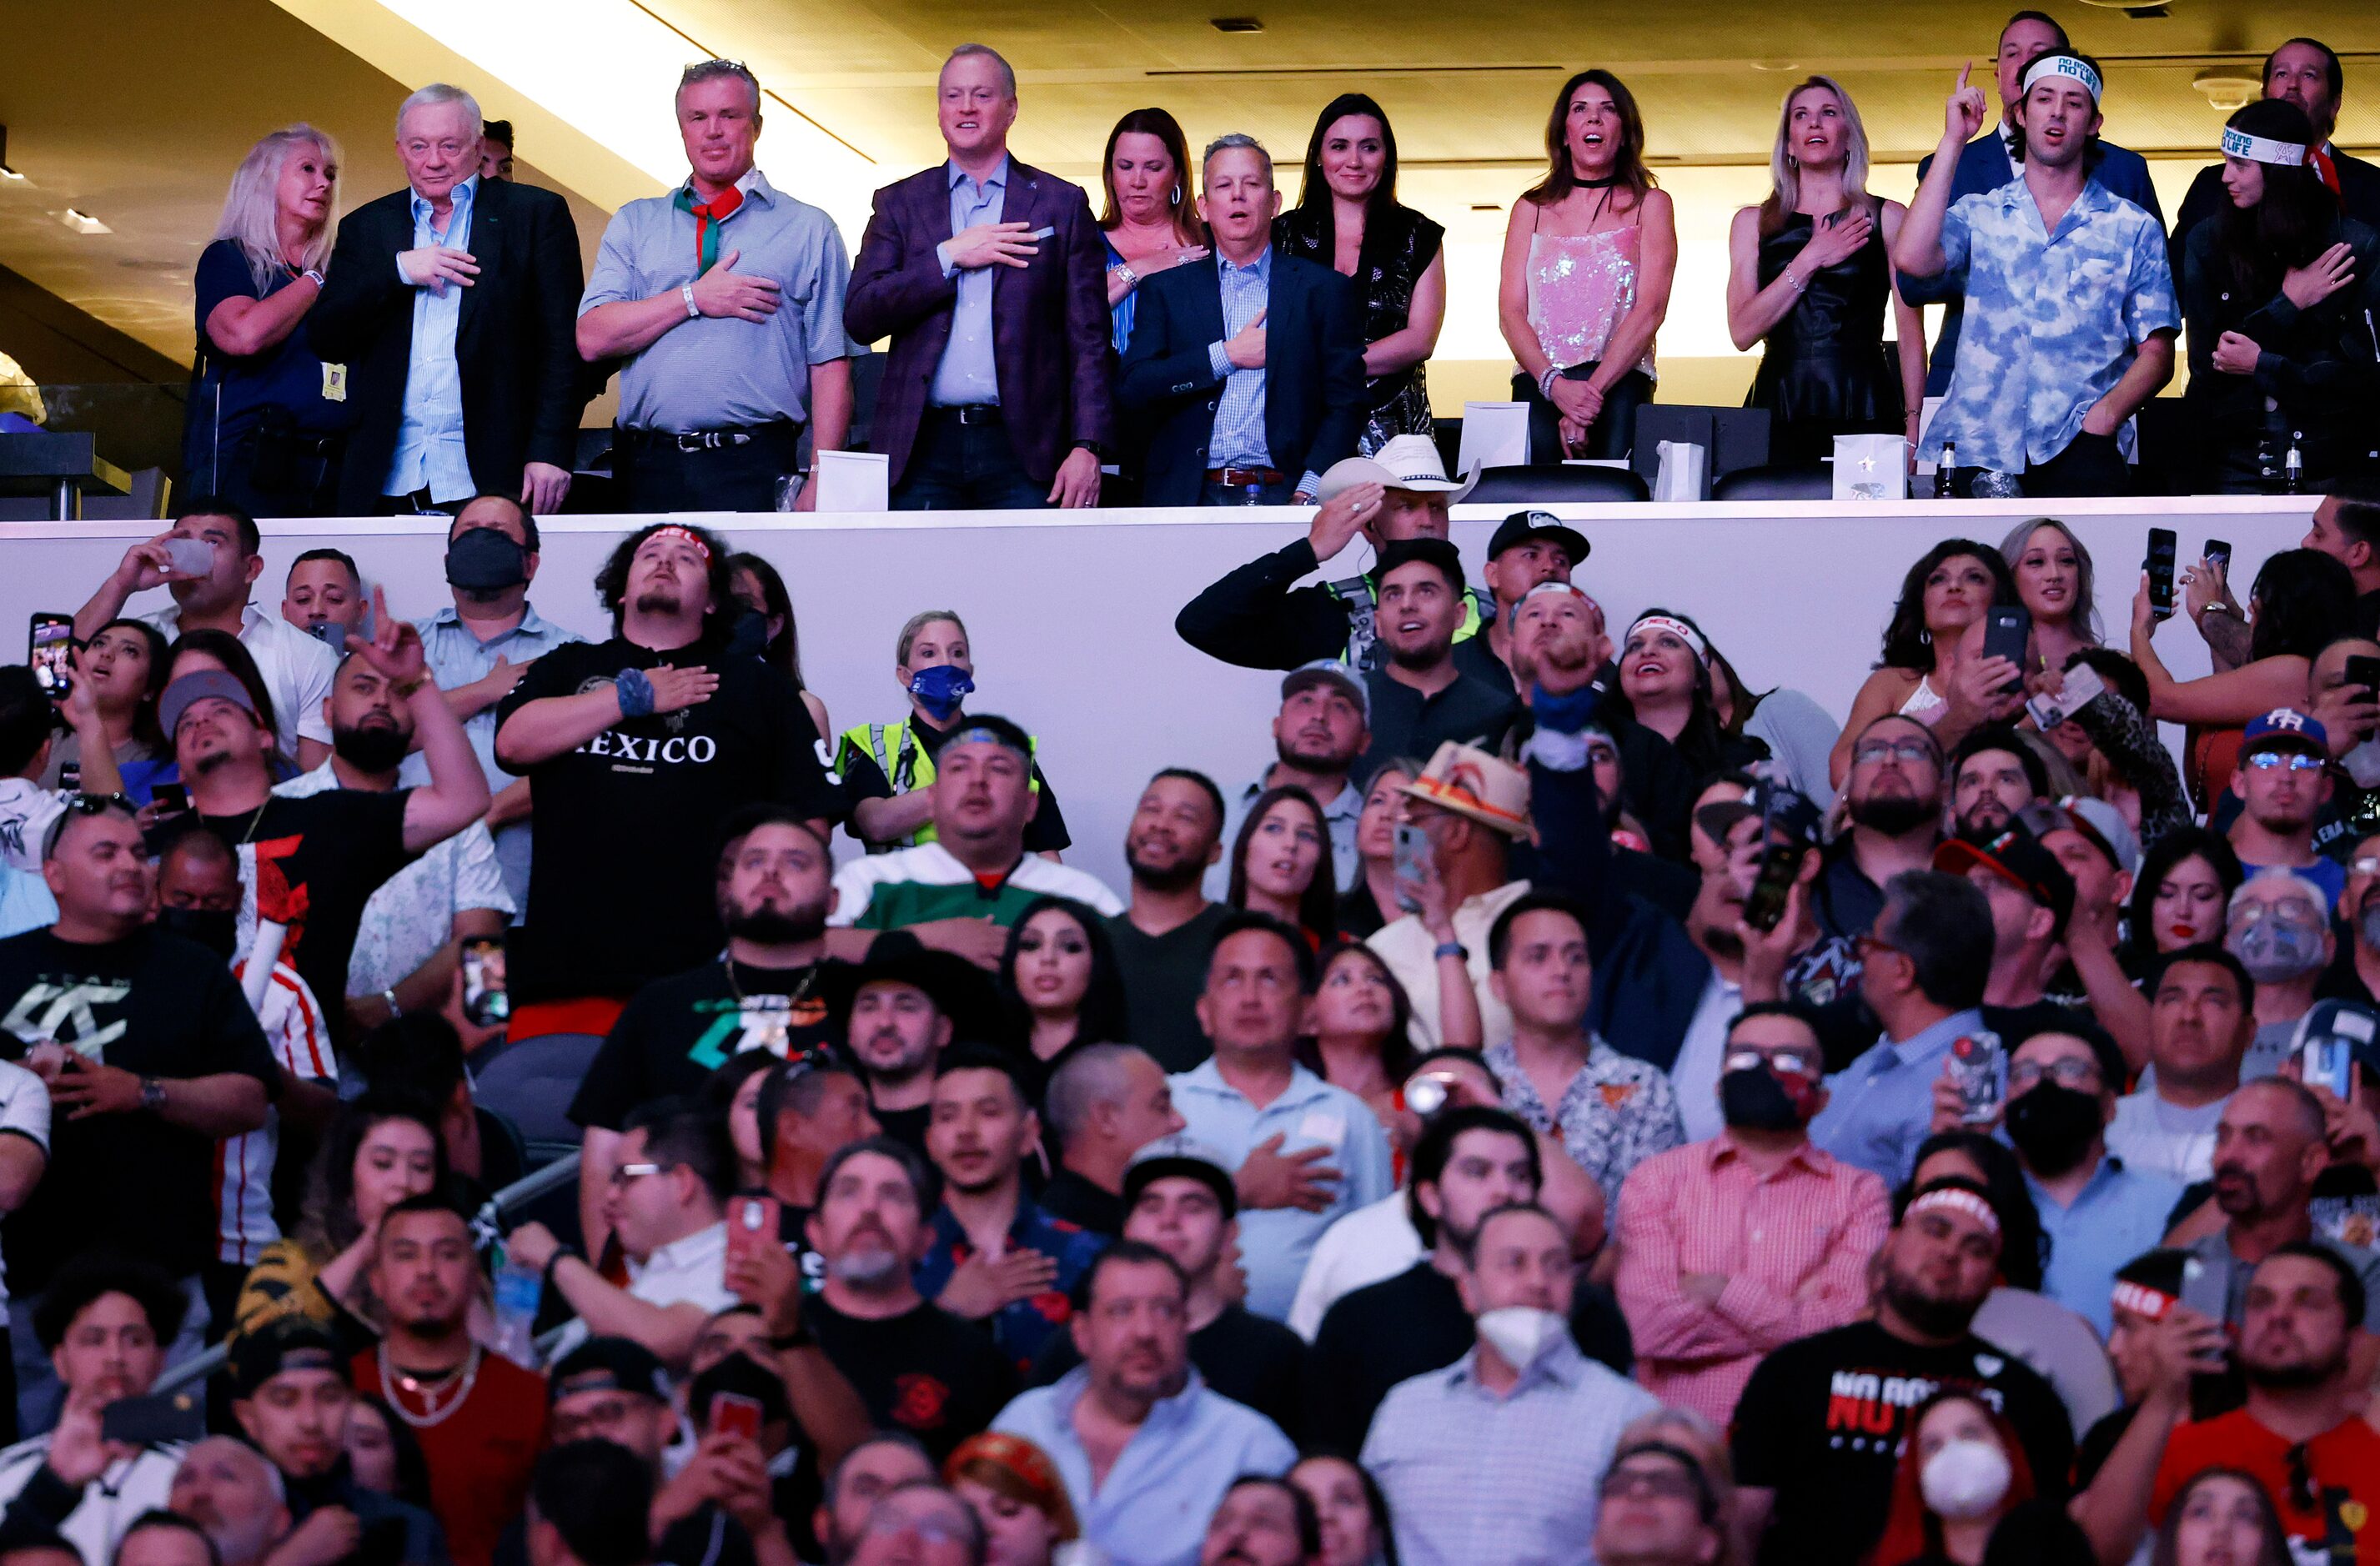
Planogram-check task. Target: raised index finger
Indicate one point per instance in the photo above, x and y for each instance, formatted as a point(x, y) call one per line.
point(1964, 72)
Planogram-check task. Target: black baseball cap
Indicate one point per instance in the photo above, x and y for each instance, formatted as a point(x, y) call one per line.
point(1522, 525)
point(1179, 1155)
point(290, 1344)
point(2017, 856)
point(608, 1364)
point(1436, 552)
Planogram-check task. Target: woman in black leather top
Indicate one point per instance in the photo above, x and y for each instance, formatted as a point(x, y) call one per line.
point(1809, 276)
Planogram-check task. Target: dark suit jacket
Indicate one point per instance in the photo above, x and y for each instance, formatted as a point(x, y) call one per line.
point(1314, 372)
point(1984, 165)
point(2358, 198)
point(516, 345)
point(1049, 319)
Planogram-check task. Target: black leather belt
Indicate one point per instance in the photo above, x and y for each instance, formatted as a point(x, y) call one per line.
point(968, 413)
point(710, 440)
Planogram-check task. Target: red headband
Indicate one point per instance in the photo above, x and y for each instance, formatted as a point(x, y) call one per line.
point(685, 534)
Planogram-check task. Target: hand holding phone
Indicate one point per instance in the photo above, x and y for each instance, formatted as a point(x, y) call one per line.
point(2007, 629)
point(485, 1002)
point(50, 641)
point(752, 1225)
point(732, 1414)
point(2163, 547)
point(1412, 864)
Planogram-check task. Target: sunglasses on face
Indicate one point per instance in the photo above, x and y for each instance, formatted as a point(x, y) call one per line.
point(1792, 1062)
point(2294, 761)
point(1911, 752)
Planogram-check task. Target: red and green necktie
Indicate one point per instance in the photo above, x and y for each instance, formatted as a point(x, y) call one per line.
point(708, 218)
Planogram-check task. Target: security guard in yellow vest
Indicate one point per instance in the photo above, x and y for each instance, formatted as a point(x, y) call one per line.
point(887, 767)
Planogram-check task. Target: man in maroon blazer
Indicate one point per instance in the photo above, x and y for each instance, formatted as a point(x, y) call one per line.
point(988, 276)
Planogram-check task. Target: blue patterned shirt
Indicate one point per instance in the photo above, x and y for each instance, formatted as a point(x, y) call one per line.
point(1023, 1327)
point(967, 373)
point(2053, 321)
point(430, 453)
point(1239, 438)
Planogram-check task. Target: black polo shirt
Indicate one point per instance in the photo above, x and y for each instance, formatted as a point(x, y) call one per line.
point(1406, 722)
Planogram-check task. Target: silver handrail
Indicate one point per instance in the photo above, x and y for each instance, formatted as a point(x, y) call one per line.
point(487, 1222)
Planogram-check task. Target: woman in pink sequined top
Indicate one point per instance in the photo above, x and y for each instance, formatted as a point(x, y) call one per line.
point(1588, 257)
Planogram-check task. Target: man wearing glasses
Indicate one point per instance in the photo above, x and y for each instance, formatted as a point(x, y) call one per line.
point(1735, 1245)
point(1893, 797)
point(2283, 782)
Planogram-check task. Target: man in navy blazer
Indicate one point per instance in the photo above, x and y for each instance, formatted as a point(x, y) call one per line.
point(1248, 367)
point(989, 276)
point(1985, 165)
point(2305, 71)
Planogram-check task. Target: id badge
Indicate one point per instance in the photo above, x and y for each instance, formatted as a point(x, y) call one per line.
point(1321, 1125)
point(334, 382)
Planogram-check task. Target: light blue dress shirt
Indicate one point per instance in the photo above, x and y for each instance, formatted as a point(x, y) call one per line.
point(2118, 1215)
point(967, 372)
point(1882, 1103)
point(429, 452)
point(457, 656)
point(1239, 438)
point(2052, 321)
point(1169, 1477)
point(1276, 1242)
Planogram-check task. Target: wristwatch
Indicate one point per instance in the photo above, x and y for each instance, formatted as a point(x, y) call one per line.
point(1449, 949)
point(686, 292)
point(313, 274)
point(153, 1095)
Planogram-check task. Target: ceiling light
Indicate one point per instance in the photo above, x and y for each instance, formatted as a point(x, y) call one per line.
point(2227, 90)
point(1236, 24)
point(1776, 66)
point(83, 223)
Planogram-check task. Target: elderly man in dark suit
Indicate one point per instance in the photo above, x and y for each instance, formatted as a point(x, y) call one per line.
point(453, 303)
point(1986, 164)
point(1249, 367)
point(989, 276)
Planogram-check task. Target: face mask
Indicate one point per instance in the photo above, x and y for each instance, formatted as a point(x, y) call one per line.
point(2274, 954)
point(483, 560)
point(750, 636)
point(940, 689)
point(2052, 1125)
point(1965, 1480)
point(1757, 1100)
point(217, 929)
point(1519, 1333)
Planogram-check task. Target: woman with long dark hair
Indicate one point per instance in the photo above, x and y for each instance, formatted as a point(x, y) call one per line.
point(1811, 275)
point(760, 590)
point(1942, 598)
point(1590, 251)
point(2278, 293)
point(124, 664)
point(1356, 1527)
point(1667, 685)
point(1059, 984)
point(1961, 1469)
point(1348, 218)
point(2221, 1517)
point(2179, 897)
point(1150, 222)
point(1359, 1037)
point(1280, 863)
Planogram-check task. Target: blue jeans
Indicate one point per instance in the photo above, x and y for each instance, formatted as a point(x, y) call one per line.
point(1212, 493)
point(956, 467)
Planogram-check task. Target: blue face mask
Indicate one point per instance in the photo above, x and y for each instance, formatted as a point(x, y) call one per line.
point(940, 689)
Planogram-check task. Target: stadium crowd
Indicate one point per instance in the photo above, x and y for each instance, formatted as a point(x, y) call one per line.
point(1570, 1106)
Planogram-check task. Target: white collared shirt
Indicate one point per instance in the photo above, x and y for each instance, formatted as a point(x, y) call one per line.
point(1406, 948)
point(297, 670)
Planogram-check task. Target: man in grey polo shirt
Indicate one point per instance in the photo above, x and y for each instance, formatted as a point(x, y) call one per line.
point(1324, 725)
point(726, 299)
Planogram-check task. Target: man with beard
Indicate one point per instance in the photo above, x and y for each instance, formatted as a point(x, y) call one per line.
point(2281, 929)
point(231, 1492)
point(2300, 1434)
point(917, 1366)
point(897, 1011)
point(639, 746)
point(479, 1417)
point(1922, 970)
point(2282, 782)
point(2201, 1016)
point(1322, 727)
point(1419, 698)
point(2269, 1149)
point(1469, 1161)
point(1164, 935)
point(105, 1324)
point(1528, 550)
point(2030, 897)
point(1145, 1447)
point(314, 863)
point(1893, 797)
point(667, 1204)
point(150, 1055)
point(1994, 774)
point(995, 1256)
point(1735, 1245)
point(1819, 1430)
point(2091, 315)
point(2096, 1213)
point(409, 938)
point(763, 993)
point(292, 1399)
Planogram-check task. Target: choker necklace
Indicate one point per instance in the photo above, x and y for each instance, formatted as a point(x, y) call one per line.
point(1606, 183)
point(440, 1396)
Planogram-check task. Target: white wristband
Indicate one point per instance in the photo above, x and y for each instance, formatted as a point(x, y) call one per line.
point(686, 292)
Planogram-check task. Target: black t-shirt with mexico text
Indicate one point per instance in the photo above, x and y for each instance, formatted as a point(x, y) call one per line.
point(156, 1005)
point(1822, 1420)
point(319, 859)
point(622, 885)
point(680, 1029)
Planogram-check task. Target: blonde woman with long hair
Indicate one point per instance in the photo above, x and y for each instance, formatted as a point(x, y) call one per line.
point(1810, 274)
point(266, 418)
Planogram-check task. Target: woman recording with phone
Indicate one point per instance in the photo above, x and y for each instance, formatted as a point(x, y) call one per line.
point(1931, 668)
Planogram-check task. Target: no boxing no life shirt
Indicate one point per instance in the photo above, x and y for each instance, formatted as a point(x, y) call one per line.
point(620, 886)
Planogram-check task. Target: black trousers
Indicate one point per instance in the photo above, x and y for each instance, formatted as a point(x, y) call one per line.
point(2091, 465)
point(1608, 438)
point(739, 475)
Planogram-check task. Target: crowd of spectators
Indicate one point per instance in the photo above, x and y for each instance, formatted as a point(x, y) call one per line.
point(1568, 1108)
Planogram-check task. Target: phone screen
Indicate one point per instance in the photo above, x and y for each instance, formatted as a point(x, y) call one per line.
point(485, 1000)
point(171, 799)
point(51, 640)
point(2162, 548)
point(2217, 553)
point(1764, 906)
